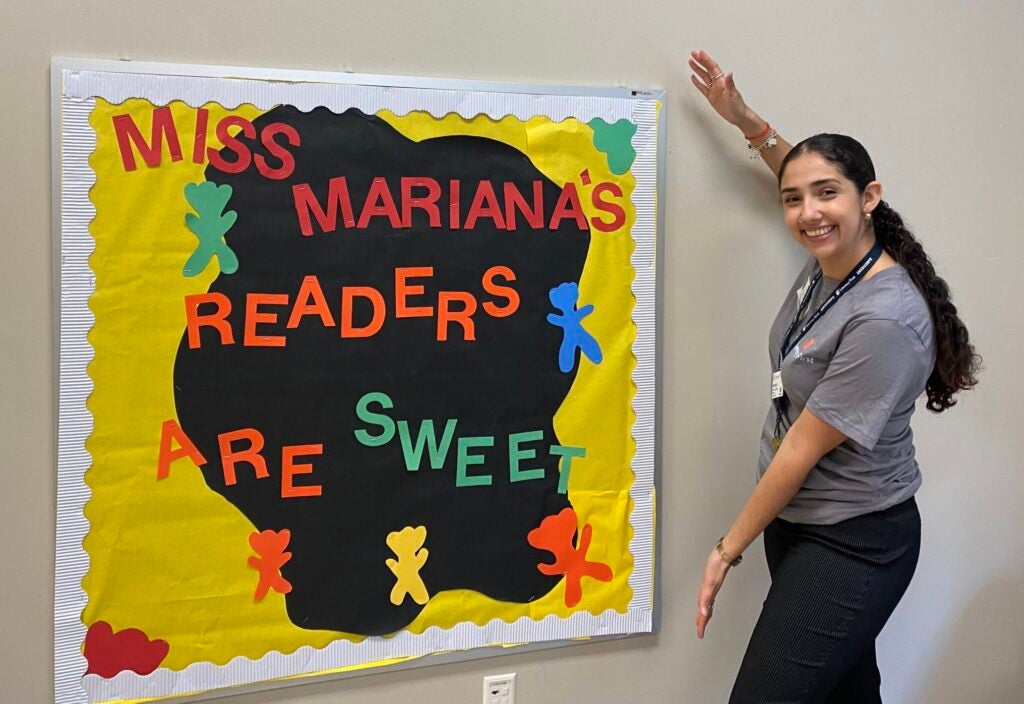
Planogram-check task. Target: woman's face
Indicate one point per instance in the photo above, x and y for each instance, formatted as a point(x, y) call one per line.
point(825, 212)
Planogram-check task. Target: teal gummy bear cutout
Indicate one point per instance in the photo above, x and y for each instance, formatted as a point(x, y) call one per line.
point(210, 225)
point(615, 140)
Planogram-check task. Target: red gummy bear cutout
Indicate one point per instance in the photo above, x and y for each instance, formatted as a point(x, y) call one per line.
point(555, 535)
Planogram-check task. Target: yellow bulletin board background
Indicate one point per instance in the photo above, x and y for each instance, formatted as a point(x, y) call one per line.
point(144, 571)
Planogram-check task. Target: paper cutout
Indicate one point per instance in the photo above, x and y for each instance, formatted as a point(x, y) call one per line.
point(109, 653)
point(308, 389)
point(270, 545)
point(210, 226)
point(406, 545)
point(564, 297)
point(615, 140)
point(555, 535)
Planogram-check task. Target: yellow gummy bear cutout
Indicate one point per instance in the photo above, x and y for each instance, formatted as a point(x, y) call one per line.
point(406, 544)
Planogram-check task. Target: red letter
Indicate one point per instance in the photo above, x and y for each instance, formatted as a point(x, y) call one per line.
point(163, 125)
point(217, 319)
point(232, 143)
point(348, 293)
point(199, 142)
point(253, 317)
point(477, 209)
point(305, 201)
point(277, 151)
point(573, 210)
point(229, 458)
point(453, 204)
point(514, 199)
point(614, 209)
point(446, 315)
point(172, 431)
point(379, 202)
point(289, 469)
point(404, 290)
point(427, 203)
point(506, 291)
point(310, 288)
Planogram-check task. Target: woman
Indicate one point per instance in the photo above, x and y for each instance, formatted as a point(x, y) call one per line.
point(866, 329)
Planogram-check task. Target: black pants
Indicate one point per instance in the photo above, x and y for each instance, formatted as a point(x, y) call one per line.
point(833, 588)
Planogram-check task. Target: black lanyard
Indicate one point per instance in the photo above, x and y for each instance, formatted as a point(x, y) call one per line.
point(789, 341)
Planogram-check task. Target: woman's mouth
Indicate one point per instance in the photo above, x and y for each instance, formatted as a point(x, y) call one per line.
point(819, 232)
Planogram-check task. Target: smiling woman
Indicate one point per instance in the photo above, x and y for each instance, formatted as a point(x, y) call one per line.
point(866, 329)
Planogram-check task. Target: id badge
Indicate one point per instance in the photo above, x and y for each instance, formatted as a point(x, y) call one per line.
point(777, 390)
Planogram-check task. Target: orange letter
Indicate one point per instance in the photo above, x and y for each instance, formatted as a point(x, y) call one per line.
point(446, 315)
point(310, 288)
point(403, 290)
point(217, 319)
point(505, 291)
point(290, 469)
point(254, 317)
point(172, 431)
point(251, 454)
point(348, 293)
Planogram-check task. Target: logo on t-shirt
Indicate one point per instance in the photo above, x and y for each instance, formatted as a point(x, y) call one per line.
point(800, 352)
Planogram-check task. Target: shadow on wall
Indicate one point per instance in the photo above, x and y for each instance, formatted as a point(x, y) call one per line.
point(983, 662)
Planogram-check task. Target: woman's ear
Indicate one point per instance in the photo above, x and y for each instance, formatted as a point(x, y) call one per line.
point(872, 196)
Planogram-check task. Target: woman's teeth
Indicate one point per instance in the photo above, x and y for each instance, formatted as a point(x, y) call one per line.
point(821, 231)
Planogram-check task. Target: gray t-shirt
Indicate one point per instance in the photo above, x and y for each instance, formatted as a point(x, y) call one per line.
point(860, 369)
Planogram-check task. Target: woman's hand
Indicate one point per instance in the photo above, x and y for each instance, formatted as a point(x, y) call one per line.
point(718, 88)
point(715, 569)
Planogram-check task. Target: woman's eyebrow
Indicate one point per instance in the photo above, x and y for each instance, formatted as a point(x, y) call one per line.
point(819, 182)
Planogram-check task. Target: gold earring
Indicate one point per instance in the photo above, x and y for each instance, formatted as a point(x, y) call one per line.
point(867, 217)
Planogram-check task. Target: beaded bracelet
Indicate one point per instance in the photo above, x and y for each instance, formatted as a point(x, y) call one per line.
point(770, 142)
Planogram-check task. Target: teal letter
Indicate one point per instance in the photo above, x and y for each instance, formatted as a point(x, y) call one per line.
point(565, 464)
point(426, 436)
point(465, 459)
point(515, 455)
point(367, 416)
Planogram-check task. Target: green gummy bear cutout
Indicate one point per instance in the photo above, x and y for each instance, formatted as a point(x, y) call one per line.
point(210, 224)
point(615, 140)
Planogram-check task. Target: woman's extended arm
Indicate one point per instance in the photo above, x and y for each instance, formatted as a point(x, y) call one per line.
point(727, 102)
point(804, 444)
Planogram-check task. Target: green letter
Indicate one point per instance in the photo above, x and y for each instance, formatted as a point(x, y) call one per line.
point(515, 455)
point(426, 436)
point(367, 416)
point(565, 464)
point(465, 459)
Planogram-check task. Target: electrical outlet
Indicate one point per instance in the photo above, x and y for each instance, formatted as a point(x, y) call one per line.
point(500, 689)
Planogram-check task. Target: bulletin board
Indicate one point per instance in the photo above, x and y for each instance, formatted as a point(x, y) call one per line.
point(353, 371)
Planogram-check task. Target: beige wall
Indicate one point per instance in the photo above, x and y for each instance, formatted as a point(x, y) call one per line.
point(932, 88)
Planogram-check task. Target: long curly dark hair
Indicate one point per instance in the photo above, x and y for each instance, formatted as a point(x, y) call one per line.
point(956, 362)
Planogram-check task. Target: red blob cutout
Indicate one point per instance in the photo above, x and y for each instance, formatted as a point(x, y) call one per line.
point(109, 653)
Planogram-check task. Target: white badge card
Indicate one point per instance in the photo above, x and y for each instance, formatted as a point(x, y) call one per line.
point(777, 389)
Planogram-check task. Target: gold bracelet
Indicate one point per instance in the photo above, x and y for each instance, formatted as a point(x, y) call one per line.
point(726, 557)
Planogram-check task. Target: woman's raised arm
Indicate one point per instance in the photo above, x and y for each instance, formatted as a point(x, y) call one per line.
point(720, 90)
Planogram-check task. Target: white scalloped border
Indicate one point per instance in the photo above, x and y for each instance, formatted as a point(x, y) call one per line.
point(79, 88)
